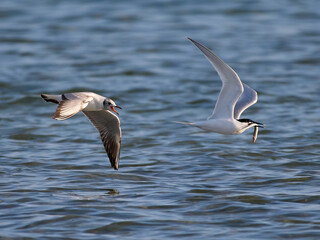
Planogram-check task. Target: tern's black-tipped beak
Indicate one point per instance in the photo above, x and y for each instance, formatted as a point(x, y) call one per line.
point(250, 122)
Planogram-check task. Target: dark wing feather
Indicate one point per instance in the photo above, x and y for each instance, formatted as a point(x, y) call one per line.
point(108, 126)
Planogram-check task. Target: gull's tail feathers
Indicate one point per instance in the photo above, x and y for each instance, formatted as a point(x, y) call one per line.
point(51, 98)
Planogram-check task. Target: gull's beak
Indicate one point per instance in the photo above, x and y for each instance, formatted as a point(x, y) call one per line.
point(112, 108)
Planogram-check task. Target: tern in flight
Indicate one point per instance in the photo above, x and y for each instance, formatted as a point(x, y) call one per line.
point(234, 98)
point(99, 110)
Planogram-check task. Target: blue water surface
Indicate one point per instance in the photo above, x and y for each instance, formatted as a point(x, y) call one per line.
point(174, 182)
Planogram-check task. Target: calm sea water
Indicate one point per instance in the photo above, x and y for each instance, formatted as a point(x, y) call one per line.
point(174, 182)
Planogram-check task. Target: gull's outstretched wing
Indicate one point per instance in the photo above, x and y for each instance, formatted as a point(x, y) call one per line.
point(231, 85)
point(71, 104)
point(247, 98)
point(108, 126)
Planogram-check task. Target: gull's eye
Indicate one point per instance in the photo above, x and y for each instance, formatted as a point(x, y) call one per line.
point(106, 103)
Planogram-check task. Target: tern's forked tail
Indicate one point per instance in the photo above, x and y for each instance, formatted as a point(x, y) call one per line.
point(186, 123)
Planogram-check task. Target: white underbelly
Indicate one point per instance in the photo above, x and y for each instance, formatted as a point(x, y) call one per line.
point(222, 126)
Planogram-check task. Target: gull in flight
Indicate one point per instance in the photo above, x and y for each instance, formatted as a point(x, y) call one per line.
point(234, 98)
point(99, 111)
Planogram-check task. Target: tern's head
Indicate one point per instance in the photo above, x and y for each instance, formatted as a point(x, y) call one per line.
point(248, 123)
point(109, 104)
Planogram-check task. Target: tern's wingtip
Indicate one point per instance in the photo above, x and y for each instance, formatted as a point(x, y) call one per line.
point(190, 39)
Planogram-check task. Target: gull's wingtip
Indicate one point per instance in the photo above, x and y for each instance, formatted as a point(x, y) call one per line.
point(114, 164)
point(45, 97)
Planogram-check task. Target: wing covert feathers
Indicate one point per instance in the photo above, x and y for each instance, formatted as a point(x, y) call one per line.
point(68, 108)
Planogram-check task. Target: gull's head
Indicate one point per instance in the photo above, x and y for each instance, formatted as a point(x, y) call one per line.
point(109, 104)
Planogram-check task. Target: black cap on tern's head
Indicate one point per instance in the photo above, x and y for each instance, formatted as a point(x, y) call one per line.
point(254, 124)
point(250, 122)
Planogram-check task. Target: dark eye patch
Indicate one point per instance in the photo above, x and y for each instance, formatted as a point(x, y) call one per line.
point(106, 103)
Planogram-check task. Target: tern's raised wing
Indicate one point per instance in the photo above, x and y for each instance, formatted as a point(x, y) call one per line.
point(108, 126)
point(247, 98)
point(231, 85)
